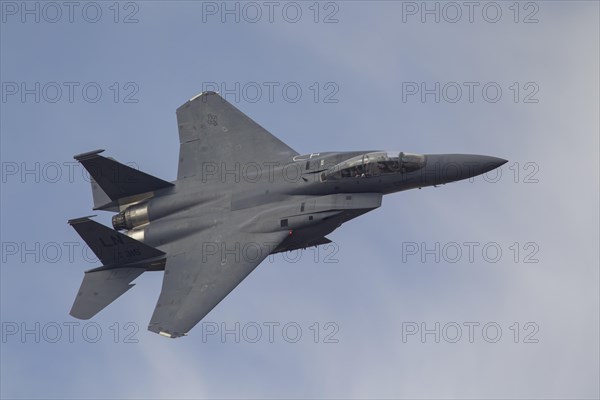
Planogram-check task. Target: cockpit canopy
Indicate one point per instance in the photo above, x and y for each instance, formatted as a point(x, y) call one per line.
point(374, 164)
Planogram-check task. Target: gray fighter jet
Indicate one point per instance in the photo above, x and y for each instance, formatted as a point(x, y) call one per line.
point(240, 195)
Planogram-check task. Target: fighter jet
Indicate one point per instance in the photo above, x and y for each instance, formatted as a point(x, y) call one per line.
point(240, 195)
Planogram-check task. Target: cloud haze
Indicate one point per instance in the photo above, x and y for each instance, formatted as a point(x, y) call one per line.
point(542, 212)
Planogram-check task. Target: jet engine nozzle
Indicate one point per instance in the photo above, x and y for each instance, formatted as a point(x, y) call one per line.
point(119, 222)
point(131, 217)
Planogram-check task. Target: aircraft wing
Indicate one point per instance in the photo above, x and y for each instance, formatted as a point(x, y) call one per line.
point(211, 130)
point(201, 270)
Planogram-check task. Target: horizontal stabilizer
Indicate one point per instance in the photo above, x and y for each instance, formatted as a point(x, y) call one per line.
point(100, 288)
point(116, 180)
point(111, 246)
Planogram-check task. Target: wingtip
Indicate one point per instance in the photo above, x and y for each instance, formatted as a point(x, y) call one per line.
point(88, 154)
point(80, 219)
point(206, 93)
point(171, 335)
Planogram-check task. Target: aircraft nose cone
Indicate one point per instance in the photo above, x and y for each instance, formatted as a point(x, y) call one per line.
point(445, 168)
point(482, 164)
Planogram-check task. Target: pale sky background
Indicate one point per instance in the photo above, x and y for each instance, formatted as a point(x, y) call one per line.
point(375, 289)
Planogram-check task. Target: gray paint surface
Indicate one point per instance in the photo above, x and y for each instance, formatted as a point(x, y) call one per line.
point(240, 195)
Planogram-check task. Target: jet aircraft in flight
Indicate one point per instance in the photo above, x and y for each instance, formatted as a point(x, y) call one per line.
point(240, 195)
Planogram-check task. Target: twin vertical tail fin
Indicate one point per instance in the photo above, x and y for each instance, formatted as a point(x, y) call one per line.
point(115, 184)
point(112, 247)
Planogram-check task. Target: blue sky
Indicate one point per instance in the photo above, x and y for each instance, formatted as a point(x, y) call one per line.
point(370, 286)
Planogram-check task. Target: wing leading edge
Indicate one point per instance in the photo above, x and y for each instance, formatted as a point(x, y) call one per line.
point(211, 130)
